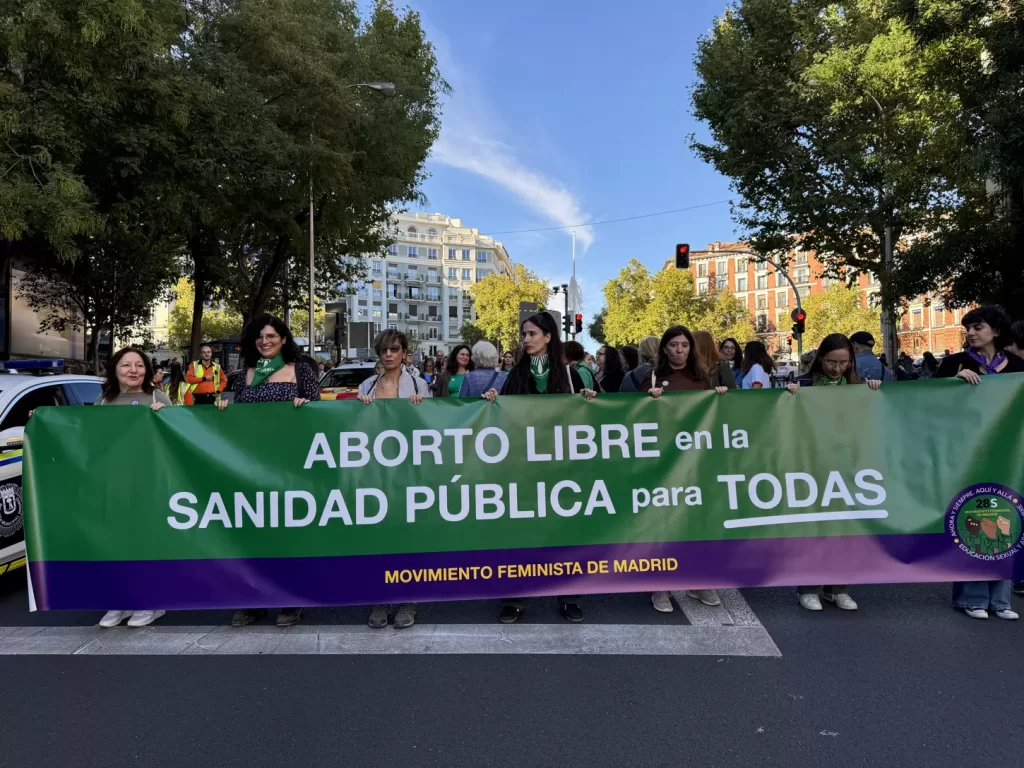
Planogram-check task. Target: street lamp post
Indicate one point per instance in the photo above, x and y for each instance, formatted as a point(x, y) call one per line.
point(385, 89)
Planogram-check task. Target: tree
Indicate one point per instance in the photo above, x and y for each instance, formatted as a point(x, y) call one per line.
point(497, 298)
point(596, 327)
point(640, 304)
point(276, 119)
point(975, 51)
point(839, 309)
point(217, 323)
point(470, 334)
point(827, 122)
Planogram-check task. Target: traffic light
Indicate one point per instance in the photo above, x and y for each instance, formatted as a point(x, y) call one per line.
point(682, 256)
point(799, 316)
point(567, 324)
point(579, 323)
point(789, 341)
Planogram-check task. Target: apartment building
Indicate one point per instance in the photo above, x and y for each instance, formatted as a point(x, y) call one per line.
point(731, 266)
point(421, 285)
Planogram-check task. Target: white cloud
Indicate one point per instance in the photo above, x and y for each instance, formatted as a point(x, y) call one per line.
point(468, 144)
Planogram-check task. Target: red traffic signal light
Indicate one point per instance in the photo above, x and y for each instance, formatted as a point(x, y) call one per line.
point(682, 256)
point(579, 323)
point(798, 315)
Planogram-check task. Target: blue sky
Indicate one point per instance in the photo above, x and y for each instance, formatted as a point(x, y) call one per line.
point(567, 112)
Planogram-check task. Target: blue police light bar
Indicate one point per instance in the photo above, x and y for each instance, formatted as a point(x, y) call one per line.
point(32, 365)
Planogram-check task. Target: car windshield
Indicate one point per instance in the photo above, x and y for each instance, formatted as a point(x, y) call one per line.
point(345, 377)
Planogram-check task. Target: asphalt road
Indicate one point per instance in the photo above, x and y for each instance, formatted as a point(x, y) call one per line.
point(905, 681)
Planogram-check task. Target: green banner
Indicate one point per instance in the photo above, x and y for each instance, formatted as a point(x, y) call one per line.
point(340, 502)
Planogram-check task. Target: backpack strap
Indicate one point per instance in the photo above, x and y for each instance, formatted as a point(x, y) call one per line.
point(491, 382)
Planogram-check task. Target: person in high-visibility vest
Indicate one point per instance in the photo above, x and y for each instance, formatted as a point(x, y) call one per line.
point(177, 389)
point(206, 378)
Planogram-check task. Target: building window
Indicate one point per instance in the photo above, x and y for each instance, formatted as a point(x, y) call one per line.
point(376, 328)
point(802, 275)
point(432, 254)
point(762, 302)
point(393, 249)
point(762, 281)
point(761, 266)
point(432, 276)
point(804, 291)
point(481, 274)
point(761, 323)
point(741, 284)
point(453, 312)
point(412, 230)
point(702, 269)
point(453, 273)
point(414, 293)
point(433, 294)
point(722, 268)
point(453, 293)
point(392, 326)
point(378, 293)
point(392, 310)
point(916, 318)
point(702, 286)
point(432, 233)
point(392, 291)
point(378, 266)
point(741, 265)
point(801, 258)
point(412, 251)
point(481, 255)
point(412, 310)
point(465, 254)
point(722, 282)
point(467, 274)
point(451, 254)
point(782, 300)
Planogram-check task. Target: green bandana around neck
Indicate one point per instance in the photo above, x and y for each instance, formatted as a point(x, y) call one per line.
point(266, 368)
point(540, 369)
point(828, 381)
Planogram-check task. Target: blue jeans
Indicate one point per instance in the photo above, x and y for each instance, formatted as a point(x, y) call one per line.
point(982, 594)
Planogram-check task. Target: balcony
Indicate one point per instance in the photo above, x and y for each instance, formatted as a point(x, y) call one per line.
point(417, 297)
point(433, 278)
point(394, 276)
point(433, 299)
point(414, 318)
point(413, 277)
point(394, 315)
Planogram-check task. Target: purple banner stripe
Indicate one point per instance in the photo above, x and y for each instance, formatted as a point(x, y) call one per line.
point(360, 579)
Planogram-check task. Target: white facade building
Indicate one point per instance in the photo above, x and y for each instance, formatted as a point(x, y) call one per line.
point(420, 286)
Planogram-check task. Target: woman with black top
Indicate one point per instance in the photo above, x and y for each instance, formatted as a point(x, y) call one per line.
point(833, 366)
point(541, 370)
point(273, 374)
point(988, 332)
point(448, 382)
point(609, 360)
point(729, 349)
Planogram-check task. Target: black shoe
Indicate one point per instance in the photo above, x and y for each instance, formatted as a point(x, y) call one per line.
point(572, 612)
point(510, 614)
point(1018, 587)
point(247, 617)
point(288, 617)
point(378, 617)
point(405, 616)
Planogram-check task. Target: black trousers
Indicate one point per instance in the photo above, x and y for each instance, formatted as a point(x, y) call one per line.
point(520, 602)
point(204, 399)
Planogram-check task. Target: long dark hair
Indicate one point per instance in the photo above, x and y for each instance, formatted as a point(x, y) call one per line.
point(251, 332)
point(831, 343)
point(174, 382)
point(693, 367)
point(112, 387)
point(756, 353)
point(631, 356)
point(612, 363)
point(518, 381)
point(737, 357)
point(453, 360)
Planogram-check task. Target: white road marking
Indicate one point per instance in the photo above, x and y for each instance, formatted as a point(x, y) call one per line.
point(728, 630)
point(807, 517)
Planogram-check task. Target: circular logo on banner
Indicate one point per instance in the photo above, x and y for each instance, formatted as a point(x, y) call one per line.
point(10, 509)
point(987, 521)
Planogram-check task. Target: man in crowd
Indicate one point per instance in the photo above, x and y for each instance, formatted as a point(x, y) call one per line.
point(868, 366)
point(574, 354)
point(205, 378)
point(439, 360)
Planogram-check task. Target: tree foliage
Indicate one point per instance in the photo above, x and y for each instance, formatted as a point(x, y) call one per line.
point(471, 334)
point(497, 299)
point(639, 304)
point(839, 309)
point(595, 328)
point(217, 323)
point(826, 119)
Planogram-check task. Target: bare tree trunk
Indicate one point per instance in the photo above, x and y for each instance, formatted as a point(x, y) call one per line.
point(197, 250)
point(94, 348)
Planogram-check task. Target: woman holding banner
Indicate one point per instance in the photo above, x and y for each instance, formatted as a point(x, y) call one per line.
point(392, 383)
point(988, 333)
point(448, 382)
point(541, 370)
point(129, 381)
point(274, 373)
point(679, 368)
point(833, 366)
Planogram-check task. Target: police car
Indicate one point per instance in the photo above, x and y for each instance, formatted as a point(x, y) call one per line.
point(21, 392)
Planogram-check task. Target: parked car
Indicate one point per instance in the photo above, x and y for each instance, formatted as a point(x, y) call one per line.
point(20, 395)
point(342, 382)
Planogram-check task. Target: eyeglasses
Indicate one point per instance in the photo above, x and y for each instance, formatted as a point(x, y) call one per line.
point(270, 337)
point(395, 350)
point(835, 363)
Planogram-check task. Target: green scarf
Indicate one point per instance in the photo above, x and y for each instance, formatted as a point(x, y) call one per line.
point(266, 368)
point(540, 370)
point(826, 381)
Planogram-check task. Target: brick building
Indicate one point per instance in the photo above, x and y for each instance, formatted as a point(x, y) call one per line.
point(927, 324)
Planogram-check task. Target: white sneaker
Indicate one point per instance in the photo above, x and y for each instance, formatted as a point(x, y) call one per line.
point(810, 601)
point(841, 600)
point(144, 618)
point(113, 618)
point(1007, 614)
point(706, 596)
point(662, 601)
point(977, 613)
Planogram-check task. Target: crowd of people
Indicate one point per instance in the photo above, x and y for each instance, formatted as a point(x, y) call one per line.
point(680, 360)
